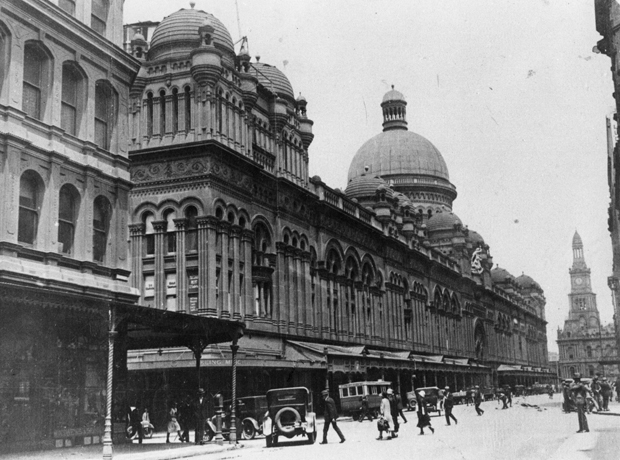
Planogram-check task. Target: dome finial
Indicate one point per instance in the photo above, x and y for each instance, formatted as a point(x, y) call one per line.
point(392, 86)
point(192, 4)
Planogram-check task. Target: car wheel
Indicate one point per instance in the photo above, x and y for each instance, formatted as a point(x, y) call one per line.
point(148, 432)
point(248, 430)
point(312, 437)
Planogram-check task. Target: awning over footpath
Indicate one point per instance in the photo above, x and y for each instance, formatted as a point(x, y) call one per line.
point(511, 369)
point(359, 358)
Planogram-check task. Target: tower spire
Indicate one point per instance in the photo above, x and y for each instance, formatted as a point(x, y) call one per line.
point(578, 258)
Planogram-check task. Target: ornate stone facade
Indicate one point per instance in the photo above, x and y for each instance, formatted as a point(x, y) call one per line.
point(584, 343)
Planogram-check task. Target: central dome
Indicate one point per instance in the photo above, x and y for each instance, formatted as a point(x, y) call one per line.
point(178, 33)
point(399, 152)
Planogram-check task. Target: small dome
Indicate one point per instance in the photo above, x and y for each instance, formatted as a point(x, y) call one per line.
point(399, 152)
point(526, 282)
point(138, 37)
point(178, 34)
point(443, 221)
point(273, 79)
point(500, 275)
point(393, 95)
point(475, 238)
point(364, 186)
point(301, 98)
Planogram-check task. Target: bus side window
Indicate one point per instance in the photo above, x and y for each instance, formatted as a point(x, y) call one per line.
point(345, 392)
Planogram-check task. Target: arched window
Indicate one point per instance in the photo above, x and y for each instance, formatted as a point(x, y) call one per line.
point(30, 191)
point(162, 113)
point(68, 6)
point(99, 16)
point(171, 235)
point(149, 234)
point(36, 68)
point(191, 229)
point(175, 110)
point(68, 204)
point(72, 89)
point(188, 110)
point(589, 351)
point(105, 113)
point(570, 352)
point(102, 212)
point(149, 114)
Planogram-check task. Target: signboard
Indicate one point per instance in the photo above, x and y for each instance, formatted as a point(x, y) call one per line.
point(193, 302)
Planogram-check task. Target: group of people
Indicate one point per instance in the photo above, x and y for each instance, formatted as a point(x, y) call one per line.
point(585, 397)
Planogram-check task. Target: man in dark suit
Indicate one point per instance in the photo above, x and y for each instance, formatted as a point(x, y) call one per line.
point(478, 400)
point(605, 393)
point(201, 416)
point(448, 404)
point(330, 416)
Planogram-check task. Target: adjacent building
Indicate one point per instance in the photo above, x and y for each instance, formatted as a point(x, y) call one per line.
point(584, 343)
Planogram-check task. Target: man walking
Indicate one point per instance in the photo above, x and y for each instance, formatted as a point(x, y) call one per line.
point(605, 393)
point(448, 404)
point(393, 411)
point(399, 405)
point(330, 415)
point(201, 416)
point(579, 394)
point(478, 400)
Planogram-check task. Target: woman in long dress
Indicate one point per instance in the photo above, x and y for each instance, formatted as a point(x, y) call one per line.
point(385, 413)
point(424, 420)
point(173, 424)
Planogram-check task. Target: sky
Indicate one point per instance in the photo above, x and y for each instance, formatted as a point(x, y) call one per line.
point(511, 93)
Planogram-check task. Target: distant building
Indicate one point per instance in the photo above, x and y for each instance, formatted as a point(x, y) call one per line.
point(584, 342)
point(607, 24)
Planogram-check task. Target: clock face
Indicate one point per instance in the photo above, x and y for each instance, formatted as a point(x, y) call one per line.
point(578, 281)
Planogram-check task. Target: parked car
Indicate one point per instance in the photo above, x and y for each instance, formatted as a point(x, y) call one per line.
point(412, 402)
point(431, 399)
point(251, 410)
point(351, 394)
point(289, 413)
point(460, 397)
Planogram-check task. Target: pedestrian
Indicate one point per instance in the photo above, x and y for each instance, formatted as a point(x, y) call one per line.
point(173, 423)
point(605, 393)
point(504, 400)
point(596, 392)
point(330, 415)
point(186, 418)
point(448, 405)
point(478, 400)
point(424, 420)
point(399, 405)
point(393, 411)
point(200, 413)
point(579, 394)
point(618, 389)
point(365, 412)
point(135, 424)
point(508, 393)
point(550, 391)
point(385, 422)
point(566, 404)
point(440, 396)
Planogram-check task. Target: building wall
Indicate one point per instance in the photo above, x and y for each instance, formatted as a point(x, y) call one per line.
point(64, 183)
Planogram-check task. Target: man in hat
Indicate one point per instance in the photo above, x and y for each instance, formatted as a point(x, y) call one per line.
point(478, 400)
point(579, 393)
point(201, 415)
point(605, 393)
point(448, 404)
point(330, 415)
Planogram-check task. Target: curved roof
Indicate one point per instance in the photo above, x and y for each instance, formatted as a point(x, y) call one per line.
point(475, 237)
point(273, 79)
point(499, 275)
point(393, 95)
point(363, 186)
point(399, 152)
point(525, 281)
point(178, 33)
point(442, 221)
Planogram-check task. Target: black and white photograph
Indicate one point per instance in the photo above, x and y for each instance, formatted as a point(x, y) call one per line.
point(285, 229)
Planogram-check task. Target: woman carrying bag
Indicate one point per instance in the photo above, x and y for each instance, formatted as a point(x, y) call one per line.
point(385, 422)
point(173, 424)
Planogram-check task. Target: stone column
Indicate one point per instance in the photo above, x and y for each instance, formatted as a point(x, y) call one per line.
point(235, 304)
point(247, 309)
point(308, 311)
point(159, 228)
point(280, 314)
point(224, 303)
point(211, 265)
point(204, 303)
point(299, 291)
point(136, 232)
point(182, 304)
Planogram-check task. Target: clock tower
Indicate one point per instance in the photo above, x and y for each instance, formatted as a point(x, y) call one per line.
point(582, 299)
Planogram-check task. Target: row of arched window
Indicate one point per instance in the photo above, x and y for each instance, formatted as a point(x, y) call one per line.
point(31, 192)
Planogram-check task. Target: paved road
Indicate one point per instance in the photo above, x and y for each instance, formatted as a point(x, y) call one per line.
point(517, 433)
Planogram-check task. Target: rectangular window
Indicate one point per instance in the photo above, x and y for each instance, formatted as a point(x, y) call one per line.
point(99, 14)
point(27, 225)
point(149, 244)
point(69, 100)
point(33, 73)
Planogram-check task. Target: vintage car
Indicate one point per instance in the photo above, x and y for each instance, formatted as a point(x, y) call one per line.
point(351, 395)
point(251, 410)
point(431, 399)
point(289, 413)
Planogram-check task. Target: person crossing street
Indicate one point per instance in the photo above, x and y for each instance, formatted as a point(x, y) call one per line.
point(330, 415)
point(448, 405)
point(478, 400)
